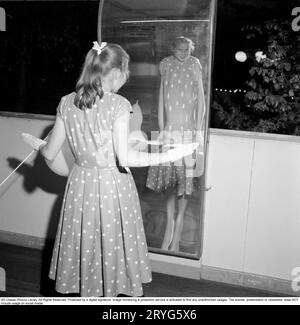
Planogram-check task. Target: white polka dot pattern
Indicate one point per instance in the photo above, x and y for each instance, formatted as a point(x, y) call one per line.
point(180, 81)
point(179, 85)
point(97, 251)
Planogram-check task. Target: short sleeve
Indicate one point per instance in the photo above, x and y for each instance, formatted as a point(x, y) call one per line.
point(122, 107)
point(162, 67)
point(60, 107)
point(198, 68)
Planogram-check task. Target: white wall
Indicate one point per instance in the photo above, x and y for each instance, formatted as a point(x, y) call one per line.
point(26, 201)
point(252, 217)
point(228, 174)
point(252, 212)
point(272, 243)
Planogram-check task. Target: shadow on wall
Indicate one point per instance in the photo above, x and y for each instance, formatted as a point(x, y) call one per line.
point(38, 175)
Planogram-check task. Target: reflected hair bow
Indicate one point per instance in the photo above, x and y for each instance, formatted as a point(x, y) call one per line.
point(98, 47)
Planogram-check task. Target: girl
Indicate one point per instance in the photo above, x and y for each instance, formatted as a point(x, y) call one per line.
point(180, 117)
point(100, 247)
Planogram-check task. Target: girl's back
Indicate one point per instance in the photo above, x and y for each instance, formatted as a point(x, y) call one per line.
point(89, 131)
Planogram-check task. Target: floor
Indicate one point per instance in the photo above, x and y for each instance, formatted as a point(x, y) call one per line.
point(27, 269)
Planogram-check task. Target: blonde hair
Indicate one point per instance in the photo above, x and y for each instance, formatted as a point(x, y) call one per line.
point(181, 39)
point(96, 66)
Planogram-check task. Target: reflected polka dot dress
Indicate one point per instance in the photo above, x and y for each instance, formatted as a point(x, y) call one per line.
point(100, 247)
point(180, 88)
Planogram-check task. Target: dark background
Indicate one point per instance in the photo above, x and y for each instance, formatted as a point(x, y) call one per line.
point(232, 16)
point(42, 51)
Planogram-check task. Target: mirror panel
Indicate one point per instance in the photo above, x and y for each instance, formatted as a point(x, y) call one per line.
point(147, 30)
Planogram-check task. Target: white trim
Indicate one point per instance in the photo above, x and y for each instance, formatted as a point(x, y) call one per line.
point(2, 279)
point(254, 135)
point(248, 280)
point(163, 21)
point(29, 116)
point(23, 240)
point(177, 266)
point(211, 131)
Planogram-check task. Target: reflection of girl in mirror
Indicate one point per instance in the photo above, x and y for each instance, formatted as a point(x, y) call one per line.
point(180, 117)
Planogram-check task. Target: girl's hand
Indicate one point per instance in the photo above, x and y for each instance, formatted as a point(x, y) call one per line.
point(33, 141)
point(182, 150)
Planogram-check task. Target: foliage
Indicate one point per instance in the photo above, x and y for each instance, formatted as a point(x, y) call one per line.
point(271, 103)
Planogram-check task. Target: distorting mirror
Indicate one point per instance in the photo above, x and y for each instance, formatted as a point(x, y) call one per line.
point(170, 48)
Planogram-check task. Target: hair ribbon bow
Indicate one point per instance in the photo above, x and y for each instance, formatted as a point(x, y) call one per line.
point(98, 47)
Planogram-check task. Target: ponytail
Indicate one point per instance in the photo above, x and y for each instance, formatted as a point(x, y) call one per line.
point(86, 94)
point(98, 64)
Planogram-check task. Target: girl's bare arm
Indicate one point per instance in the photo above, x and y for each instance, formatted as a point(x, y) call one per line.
point(201, 100)
point(55, 141)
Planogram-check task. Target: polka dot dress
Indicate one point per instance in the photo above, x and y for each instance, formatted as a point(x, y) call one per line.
point(180, 82)
point(172, 179)
point(180, 85)
point(100, 247)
